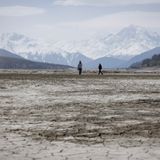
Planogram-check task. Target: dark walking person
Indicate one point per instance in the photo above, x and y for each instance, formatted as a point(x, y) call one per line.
point(100, 69)
point(80, 67)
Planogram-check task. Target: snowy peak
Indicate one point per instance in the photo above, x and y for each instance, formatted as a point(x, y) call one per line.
point(131, 41)
point(133, 31)
point(17, 42)
point(125, 44)
point(14, 37)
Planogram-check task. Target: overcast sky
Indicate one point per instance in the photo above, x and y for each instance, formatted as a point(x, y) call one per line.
point(76, 19)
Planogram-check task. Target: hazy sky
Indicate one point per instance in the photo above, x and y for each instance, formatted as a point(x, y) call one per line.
point(76, 19)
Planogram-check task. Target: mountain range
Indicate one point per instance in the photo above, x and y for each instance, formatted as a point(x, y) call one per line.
point(113, 50)
point(128, 42)
point(148, 62)
point(10, 60)
point(143, 56)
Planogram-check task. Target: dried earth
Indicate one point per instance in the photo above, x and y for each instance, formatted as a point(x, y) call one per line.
point(63, 116)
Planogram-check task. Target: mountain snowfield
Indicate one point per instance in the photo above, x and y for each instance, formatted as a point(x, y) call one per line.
point(130, 41)
point(127, 43)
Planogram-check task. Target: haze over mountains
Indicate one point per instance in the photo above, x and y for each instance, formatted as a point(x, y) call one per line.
point(10, 60)
point(111, 50)
point(143, 56)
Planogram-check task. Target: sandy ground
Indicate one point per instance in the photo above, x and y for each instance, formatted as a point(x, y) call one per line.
point(62, 116)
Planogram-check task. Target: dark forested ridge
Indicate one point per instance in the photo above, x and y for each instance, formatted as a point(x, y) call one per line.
point(149, 62)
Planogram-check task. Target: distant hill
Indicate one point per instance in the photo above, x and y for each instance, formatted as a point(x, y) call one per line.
point(74, 58)
point(107, 62)
point(143, 56)
point(10, 60)
point(149, 62)
point(5, 53)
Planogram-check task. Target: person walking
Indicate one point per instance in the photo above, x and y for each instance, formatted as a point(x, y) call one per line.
point(80, 67)
point(100, 69)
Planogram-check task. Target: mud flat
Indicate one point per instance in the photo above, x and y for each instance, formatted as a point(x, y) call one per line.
point(62, 116)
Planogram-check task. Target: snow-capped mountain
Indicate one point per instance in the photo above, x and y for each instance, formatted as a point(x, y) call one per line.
point(65, 58)
point(9, 60)
point(127, 43)
point(37, 50)
point(19, 43)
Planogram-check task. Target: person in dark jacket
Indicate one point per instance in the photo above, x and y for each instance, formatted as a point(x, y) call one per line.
point(80, 67)
point(100, 69)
